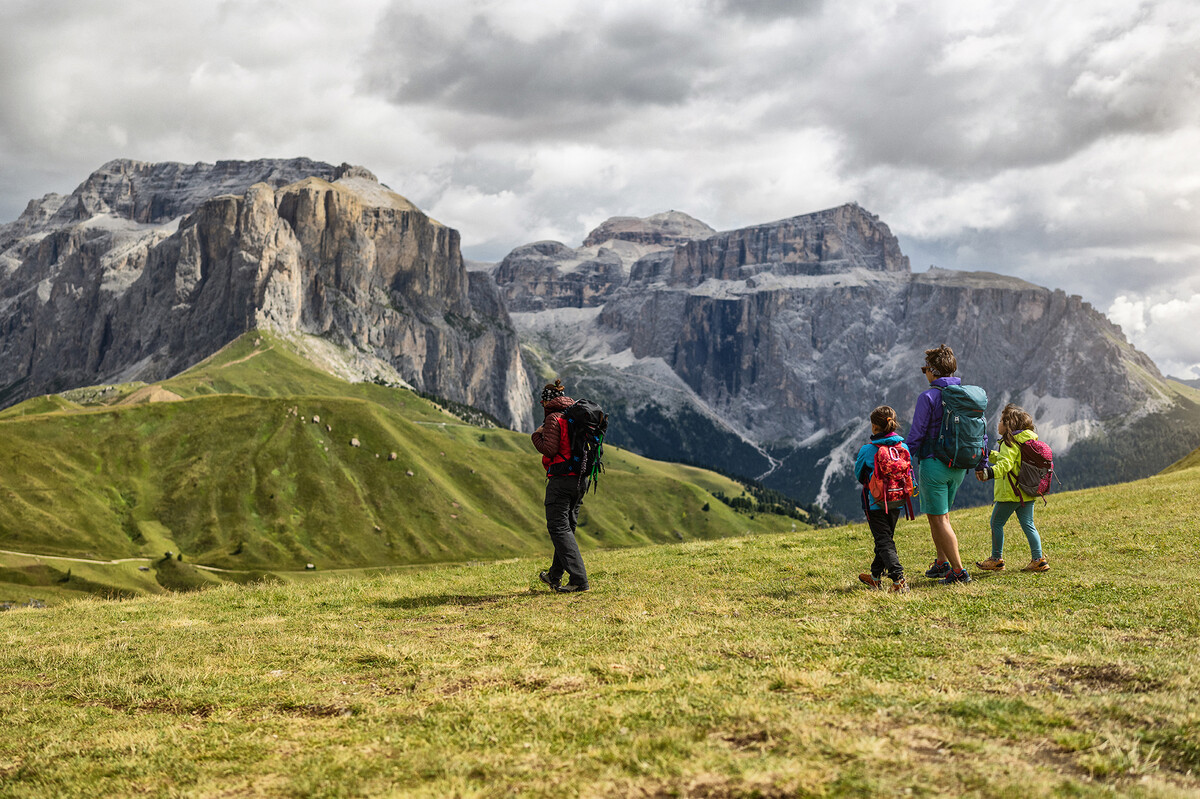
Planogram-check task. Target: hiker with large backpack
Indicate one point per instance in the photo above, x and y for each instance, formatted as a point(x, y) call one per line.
point(949, 435)
point(571, 441)
point(884, 468)
point(1022, 470)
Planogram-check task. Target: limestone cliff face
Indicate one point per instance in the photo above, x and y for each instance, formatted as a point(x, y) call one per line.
point(670, 229)
point(161, 265)
point(804, 325)
point(771, 344)
point(784, 359)
point(827, 242)
point(549, 274)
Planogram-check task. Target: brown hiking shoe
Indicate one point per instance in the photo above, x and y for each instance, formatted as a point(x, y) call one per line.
point(991, 564)
point(900, 586)
point(1039, 565)
point(870, 581)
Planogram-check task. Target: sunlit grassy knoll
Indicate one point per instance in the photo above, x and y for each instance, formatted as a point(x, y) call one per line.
point(754, 666)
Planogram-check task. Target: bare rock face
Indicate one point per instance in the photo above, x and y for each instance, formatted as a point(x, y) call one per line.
point(146, 269)
point(548, 274)
point(669, 229)
point(827, 242)
point(763, 350)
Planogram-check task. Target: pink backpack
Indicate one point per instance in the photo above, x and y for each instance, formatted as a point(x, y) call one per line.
point(891, 482)
point(1036, 471)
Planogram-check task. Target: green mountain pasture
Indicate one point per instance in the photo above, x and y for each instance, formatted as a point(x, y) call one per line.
point(236, 475)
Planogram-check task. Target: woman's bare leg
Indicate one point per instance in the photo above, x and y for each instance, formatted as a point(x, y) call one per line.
point(944, 539)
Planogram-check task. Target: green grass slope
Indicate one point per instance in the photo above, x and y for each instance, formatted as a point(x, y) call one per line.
point(1189, 461)
point(238, 476)
point(755, 666)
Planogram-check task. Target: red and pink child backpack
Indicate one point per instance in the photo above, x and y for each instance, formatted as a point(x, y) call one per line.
point(1036, 472)
point(891, 483)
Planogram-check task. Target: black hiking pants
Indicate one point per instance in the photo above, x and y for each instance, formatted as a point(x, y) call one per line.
point(883, 529)
point(564, 496)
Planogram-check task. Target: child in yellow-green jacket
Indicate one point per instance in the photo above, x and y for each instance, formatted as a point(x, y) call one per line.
point(1016, 428)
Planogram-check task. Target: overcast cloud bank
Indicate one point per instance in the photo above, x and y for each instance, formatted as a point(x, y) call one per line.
point(1055, 144)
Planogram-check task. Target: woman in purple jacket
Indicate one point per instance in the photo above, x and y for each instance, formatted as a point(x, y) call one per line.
point(937, 483)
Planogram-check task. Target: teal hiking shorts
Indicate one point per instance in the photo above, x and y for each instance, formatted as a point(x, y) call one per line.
point(938, 483)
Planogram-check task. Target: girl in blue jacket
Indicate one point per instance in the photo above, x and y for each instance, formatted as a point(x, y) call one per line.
point(882, 522)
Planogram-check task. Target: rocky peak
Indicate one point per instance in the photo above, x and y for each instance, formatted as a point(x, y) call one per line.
point(668, 229)
point(832, 241)
point(352, 171)
point(147, 268)
point(549, 274)
point(153, 193)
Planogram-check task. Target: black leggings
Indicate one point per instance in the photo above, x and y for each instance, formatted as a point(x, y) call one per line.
point(883, 529)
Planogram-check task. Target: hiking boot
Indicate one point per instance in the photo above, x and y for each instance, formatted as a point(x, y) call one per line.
point(991, 564)
point(953, 577)
point(938, 570)
point(870, 582)
point(1039, 565)
point(545, 578)
point(572, 588)
point(900, 586)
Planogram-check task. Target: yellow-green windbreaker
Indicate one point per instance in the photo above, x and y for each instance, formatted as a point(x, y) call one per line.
point(1008, 462)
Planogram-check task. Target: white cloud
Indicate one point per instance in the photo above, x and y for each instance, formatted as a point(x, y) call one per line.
point(1163, 328)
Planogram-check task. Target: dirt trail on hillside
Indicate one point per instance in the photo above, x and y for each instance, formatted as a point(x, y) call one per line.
point(94, 562)
point(150, 394)
point(248, 357)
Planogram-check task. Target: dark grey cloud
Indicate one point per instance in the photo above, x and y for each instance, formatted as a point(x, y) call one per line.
point(966, 103)
point(768, 10)
point(564, 81)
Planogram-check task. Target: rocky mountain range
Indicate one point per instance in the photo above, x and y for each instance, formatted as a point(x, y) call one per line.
point(762, 350)
point(146, 269)
point(758, 351)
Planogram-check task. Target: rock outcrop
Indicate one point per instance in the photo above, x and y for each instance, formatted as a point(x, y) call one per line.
point(549, 274)
point(666, 230)
point(148, 268)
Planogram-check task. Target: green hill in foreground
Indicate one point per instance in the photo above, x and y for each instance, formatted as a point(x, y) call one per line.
point(754, 666)
point(246, 464)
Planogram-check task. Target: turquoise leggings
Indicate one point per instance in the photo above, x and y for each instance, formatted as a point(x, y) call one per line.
point(1001, 512)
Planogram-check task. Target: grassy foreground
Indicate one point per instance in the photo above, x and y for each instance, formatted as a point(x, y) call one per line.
point(740, 667)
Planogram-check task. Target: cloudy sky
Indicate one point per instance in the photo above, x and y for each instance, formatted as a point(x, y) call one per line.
point(1057, 141)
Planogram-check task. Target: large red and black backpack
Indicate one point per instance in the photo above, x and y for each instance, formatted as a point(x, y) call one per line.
point(891, 482)
point(586, 425)
point(1037, 470)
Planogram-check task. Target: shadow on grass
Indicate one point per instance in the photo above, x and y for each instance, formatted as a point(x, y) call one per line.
point(439, 600)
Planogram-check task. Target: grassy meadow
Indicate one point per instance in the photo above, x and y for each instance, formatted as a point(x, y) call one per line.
point(751, 666)
point(251, 474)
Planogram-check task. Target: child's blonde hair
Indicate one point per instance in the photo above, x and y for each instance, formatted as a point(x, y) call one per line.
point(884, 418)
point(1016, 419)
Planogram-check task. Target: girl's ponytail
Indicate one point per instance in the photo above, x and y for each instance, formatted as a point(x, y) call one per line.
point(884, 418)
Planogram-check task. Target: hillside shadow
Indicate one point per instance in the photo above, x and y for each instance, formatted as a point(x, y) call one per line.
point(440, 600)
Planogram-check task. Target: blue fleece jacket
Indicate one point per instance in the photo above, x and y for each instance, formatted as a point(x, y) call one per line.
point(864, 464)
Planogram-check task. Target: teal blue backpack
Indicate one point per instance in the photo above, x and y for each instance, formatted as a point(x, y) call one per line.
point(960, 441)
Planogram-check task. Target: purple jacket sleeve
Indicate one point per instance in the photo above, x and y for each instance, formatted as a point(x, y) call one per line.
point(918, 431)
